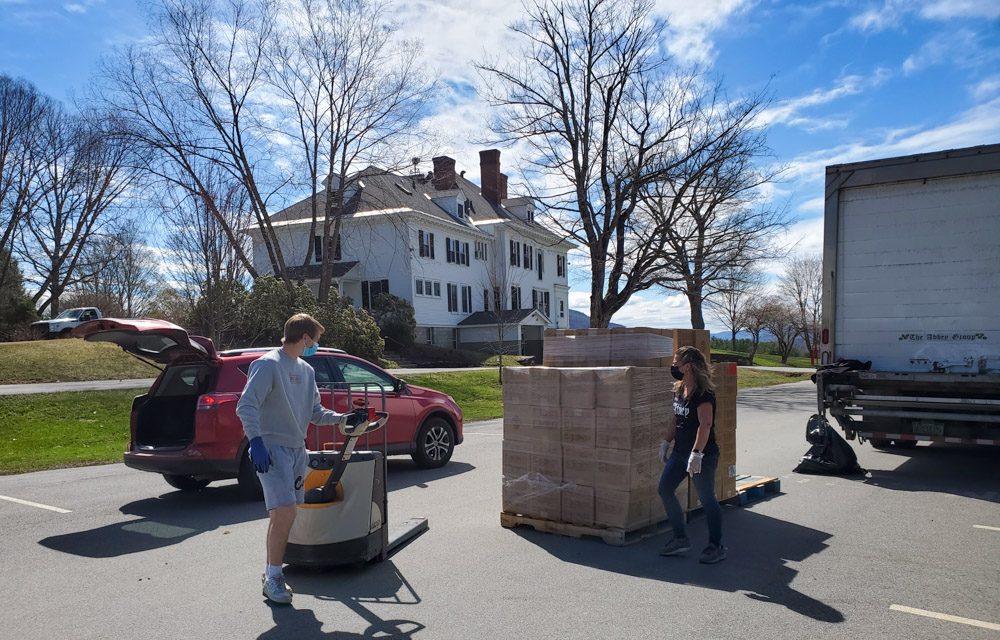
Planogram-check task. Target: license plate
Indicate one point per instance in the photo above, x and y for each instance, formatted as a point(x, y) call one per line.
point(928, 428)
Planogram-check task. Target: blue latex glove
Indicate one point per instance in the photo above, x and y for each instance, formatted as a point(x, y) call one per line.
point(259, 455)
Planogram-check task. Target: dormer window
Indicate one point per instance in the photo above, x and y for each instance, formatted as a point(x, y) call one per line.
point(531, 214)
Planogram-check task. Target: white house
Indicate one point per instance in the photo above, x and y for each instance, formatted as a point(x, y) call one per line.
point(460, 253)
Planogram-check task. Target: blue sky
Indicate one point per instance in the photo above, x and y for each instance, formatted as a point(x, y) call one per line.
point(850, 80)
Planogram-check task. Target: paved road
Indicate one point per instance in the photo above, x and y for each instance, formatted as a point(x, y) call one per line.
point(143, 383)
point(825, 559)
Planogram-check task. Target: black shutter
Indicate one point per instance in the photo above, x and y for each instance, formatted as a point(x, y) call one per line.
point(430, 241)
point(365, 297)
point(337, 255)
point(420, 242)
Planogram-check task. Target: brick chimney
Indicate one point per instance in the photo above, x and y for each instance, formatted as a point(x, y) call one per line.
point(503, 187)
point(444, 173)
point(489, 174)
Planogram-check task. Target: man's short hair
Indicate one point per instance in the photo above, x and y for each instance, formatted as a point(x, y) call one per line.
point(300, 325)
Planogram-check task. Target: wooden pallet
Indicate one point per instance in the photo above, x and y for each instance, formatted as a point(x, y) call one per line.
point(613, 536)
point(753, 488)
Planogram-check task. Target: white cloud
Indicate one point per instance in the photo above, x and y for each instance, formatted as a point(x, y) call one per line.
point(960, 47)
point(891, 12)
point(986, 88)
point(789, 111)
point(75, 8)
point(812, 206)
point(647, 309)
point(691, 25)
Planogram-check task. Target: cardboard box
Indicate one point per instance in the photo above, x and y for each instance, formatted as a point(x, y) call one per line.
point(578, 505)
point(532, 424)
point(578, 465)
point(621, 470)
point(578, 426)
point(623, 429)
point(516, 458)
point(578, 388)
point(627, 510)
point(625, 387)
point(531, 386)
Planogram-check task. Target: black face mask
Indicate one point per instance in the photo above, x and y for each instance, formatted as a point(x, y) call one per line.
point(676, 373)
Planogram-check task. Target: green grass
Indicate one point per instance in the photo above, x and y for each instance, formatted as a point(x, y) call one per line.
point(53, 430)
point(770, 360)
point(477, 392)
point(67, 360)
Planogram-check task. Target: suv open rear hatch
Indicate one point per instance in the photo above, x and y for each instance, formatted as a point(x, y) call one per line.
point(149, 340)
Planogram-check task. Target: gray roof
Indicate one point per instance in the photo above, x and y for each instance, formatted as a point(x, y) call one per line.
point(385, 190)
point(312, 271)
point(507, 316)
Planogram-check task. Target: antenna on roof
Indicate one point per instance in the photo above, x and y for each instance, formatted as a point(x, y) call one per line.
point(416, 171)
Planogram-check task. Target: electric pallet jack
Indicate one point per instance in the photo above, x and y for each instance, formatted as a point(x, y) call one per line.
point(344, 519)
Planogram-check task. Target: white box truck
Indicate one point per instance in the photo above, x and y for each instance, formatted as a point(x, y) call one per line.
point(911, 283)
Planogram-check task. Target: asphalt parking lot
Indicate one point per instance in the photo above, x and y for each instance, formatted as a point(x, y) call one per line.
point(910, 551)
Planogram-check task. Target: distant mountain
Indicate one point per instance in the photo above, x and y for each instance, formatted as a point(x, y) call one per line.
point(580, 320)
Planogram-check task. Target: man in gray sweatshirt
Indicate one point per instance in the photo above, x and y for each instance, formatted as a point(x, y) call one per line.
point(278, 403)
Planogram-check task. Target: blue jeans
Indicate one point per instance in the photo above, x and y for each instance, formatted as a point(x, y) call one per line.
point(674, 473)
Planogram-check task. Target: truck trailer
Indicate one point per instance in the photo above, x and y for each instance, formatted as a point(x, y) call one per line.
point(910, 339)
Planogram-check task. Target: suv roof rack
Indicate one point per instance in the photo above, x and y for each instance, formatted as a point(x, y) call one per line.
point(239, 352)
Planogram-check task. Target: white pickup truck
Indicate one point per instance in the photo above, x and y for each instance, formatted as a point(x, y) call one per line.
point(911, 284)
point(59, 327)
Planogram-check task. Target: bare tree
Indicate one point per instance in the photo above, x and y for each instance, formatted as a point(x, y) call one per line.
point(755, 317)
point(83, 174)
point(708, 212)
point(22, 109)
point(605, 117)
point(125, 270)
point(500, 281)
point(204, 266)
point(781, 321)
point(802, 286)
point(357, 93)
point(734, 293)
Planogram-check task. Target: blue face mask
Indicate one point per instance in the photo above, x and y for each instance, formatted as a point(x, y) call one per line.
point(311, 350)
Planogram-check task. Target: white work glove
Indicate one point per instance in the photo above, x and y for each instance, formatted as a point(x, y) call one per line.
point(664, 451)
point(694, 462)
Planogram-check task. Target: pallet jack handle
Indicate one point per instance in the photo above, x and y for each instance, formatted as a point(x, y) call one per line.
point(375, 421)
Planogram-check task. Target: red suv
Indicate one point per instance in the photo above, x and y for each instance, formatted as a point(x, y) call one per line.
point(185, 427)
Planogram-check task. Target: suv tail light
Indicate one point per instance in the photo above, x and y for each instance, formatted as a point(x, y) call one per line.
point(210, 401)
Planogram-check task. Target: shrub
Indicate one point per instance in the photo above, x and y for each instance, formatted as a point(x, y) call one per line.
point(353, 330)
point(268, 305)
point(394, 316)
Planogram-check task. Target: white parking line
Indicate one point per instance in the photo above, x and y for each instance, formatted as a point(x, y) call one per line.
point(944, 616)
point(35, 504)
point(983, 526)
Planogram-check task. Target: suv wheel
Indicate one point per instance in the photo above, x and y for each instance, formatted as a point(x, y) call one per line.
point(185, 483)
point(435, 444)
point(248, 480)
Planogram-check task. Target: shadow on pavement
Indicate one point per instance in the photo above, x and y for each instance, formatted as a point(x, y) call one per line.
point(165, 520)
point(405, 473)
point(760, 548)
point(379, 583)
point(779, 399)
point(965, 471)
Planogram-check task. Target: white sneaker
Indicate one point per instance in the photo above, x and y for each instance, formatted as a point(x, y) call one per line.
point(276, 590)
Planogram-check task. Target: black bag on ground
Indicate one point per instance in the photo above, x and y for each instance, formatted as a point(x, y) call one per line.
point(830, 454)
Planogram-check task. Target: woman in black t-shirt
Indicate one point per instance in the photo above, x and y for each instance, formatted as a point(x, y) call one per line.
point(695, 452)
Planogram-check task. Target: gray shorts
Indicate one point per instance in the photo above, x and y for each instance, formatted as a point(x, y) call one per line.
point(282, 484)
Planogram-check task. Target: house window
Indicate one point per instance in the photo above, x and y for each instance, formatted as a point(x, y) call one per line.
point(486, 299)
point(466, 299)
point(371, 289)
point(527, 256)
point(515, 253)
point(450, 257)
point(481, 251)
point(515, 298)
point(426, 241)
point(318, 250)
point(465, 253)
point(428, 288)
point(541, 265)
point(560, 266)
point(429, 335)
point(540, 300)
point(531, 214)
point(562, 309)
point(453, 298)
point(468, 207)
point(497, 299)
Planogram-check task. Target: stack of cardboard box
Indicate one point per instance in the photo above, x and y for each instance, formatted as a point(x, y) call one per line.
point(581, 442)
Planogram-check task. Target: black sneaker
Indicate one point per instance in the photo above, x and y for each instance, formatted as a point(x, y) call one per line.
point(676, 547)
point(712, 554)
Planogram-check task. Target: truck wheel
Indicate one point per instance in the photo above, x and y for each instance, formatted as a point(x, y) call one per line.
point(185, 483)
point(435, 444)
point(248, 480)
